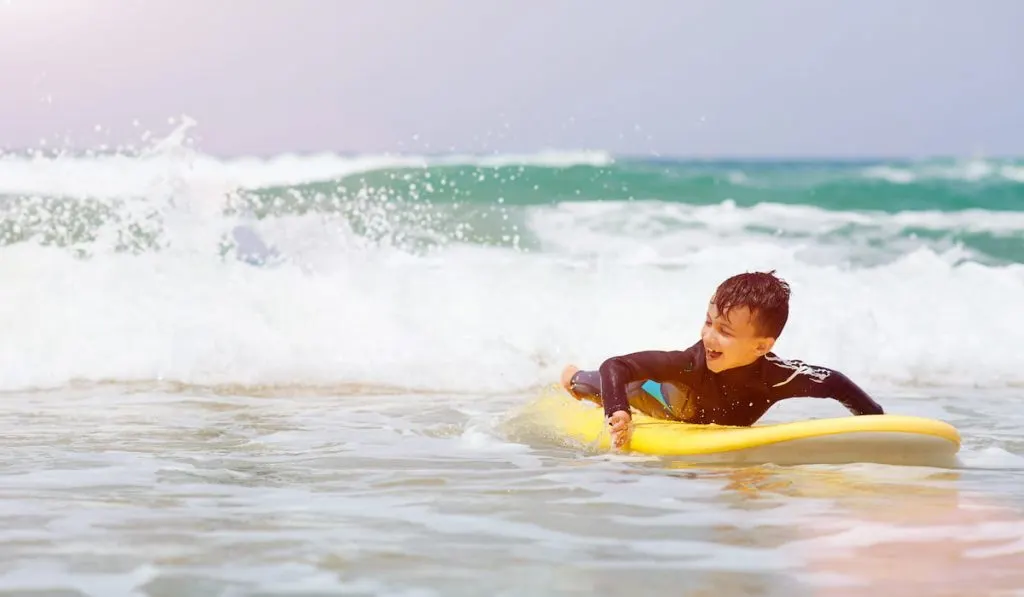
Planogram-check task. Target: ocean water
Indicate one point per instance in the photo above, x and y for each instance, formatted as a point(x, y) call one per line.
point(306, 374)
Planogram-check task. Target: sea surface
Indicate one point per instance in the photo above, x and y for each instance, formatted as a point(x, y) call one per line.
point(310, 374)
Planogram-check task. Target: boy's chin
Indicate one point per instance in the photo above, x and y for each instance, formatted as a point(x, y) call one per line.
point(720, 364)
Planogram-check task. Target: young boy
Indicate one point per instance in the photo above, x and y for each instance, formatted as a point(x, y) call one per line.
point(729, 377)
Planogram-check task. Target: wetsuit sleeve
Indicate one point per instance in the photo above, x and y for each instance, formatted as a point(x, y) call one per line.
point(801, 380)
point(585, 383)
point(655, 365)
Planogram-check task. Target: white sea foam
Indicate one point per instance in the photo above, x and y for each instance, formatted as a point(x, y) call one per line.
point(602, 278)
point(474, 318)
point(972, 170)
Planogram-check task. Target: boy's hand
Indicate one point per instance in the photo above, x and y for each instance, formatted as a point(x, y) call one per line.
point(622, 428)
point(567, 374)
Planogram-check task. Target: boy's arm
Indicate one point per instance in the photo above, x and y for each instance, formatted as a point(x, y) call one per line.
point(797, 379)
point(655, 365)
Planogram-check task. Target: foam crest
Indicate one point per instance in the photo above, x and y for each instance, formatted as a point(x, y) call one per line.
point(472, 318)
point(974, 170)
point(660, 232)
point(655, 218)
point(123, 175)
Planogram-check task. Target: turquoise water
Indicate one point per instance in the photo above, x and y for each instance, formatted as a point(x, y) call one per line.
point(304, 374)
point(420, 202)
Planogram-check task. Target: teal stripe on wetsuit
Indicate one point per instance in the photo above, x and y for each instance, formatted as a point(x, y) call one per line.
point(654, 389)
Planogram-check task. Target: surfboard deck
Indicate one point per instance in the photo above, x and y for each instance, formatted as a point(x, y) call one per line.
point(882, 439)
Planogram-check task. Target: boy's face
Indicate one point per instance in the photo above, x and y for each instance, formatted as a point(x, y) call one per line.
point(731, 341)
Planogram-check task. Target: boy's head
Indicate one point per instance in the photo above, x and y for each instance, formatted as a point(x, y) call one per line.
point(745, 316)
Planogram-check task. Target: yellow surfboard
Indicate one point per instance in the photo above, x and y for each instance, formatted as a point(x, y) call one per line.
point(884, 439)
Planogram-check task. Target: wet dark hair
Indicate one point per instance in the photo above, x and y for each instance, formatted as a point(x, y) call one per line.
point(765, 294)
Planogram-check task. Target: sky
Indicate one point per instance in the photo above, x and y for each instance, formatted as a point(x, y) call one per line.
point(714, 78)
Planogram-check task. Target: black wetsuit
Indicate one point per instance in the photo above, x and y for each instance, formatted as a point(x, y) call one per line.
point(695, 394)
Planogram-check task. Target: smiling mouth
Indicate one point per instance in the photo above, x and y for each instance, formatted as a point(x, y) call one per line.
point(711, 354)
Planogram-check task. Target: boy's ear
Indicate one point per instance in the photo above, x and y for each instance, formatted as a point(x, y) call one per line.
point(764, 345)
